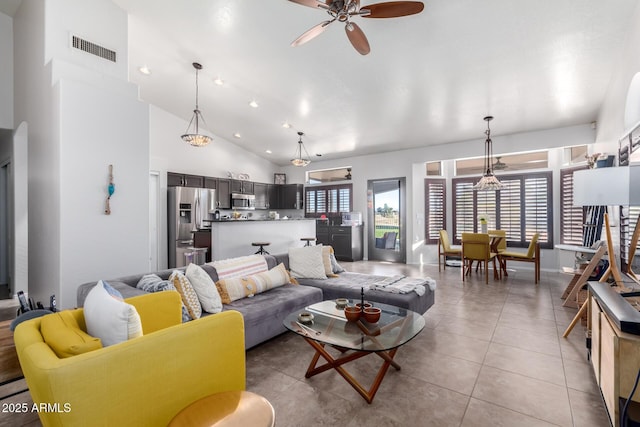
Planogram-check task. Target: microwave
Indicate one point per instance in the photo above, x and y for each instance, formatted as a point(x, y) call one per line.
point(243, 201)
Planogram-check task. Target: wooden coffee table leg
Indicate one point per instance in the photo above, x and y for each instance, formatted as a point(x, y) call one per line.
point(333, 363)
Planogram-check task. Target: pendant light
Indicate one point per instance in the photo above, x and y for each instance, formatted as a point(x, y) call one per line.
point(299, 160)
point(194, 137)
point(488, 180)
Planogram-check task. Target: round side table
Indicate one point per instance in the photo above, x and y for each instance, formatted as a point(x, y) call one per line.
point(227, 409)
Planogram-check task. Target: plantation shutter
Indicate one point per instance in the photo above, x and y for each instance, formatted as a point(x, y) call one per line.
point(571, 217)
point(435, 212)
point(510, 215)
point(537, 206)
point(310, 202)
point(463, 209)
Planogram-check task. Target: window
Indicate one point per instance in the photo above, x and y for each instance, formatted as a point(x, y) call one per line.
point(434, 209)
point(434, 168)
point(522, 208)
point(571, 217)
point(329, 200)
point(326, 176)
point(506, 163)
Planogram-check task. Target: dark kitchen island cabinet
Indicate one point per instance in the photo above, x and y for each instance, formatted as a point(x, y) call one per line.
point(345, 240)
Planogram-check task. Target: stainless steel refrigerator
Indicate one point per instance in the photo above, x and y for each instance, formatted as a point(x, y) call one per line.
point(188, 211)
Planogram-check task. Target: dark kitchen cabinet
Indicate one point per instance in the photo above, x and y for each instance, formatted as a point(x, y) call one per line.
point(223, 193)
point(322, 233)
point(291, 196)
point(184, 180)
point(202, 239)
point(262, 195)
point(243, 187)
point(210, 182)
point(346, 241)
point(274, 196)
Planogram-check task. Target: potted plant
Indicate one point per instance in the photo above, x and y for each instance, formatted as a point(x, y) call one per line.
point(484, 221)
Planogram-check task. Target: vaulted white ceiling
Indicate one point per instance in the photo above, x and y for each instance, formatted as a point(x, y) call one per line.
point(429, 79)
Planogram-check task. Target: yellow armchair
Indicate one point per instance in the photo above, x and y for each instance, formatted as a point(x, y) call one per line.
point(141, 382)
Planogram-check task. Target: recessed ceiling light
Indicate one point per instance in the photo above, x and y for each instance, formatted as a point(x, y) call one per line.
point(218, 81)
point(253, 104)
point(237, 135)
point(144, 70)
point(286, 125)
point(268, 151)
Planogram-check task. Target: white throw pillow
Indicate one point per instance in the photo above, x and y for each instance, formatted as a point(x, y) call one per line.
point(108, 317)
point(306, 262)
point(205, 288)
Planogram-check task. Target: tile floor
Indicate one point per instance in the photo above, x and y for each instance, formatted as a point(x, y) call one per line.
point(490, 355)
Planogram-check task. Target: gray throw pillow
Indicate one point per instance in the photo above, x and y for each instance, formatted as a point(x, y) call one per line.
point(334, 264)
point(153, 283)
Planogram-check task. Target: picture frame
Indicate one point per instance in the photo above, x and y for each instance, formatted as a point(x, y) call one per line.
point(279, 178)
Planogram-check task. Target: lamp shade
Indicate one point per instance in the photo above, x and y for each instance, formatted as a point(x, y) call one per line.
point(615, 186)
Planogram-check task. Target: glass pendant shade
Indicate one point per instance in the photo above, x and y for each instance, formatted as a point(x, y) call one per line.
point(488, 180)
point(300, 161)
point(192, 135)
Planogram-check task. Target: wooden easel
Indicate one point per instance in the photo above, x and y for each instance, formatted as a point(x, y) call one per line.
point(613, 269)
point(570, 300)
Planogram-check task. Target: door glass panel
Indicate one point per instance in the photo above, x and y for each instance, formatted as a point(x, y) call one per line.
point(386, 222)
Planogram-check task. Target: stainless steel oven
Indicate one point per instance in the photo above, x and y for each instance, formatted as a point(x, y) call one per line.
point(243, 201)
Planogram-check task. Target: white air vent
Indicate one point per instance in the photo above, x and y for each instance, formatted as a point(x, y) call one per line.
point(93, 48)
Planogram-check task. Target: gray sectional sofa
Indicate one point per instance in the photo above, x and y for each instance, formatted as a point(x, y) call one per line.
point(263, 313)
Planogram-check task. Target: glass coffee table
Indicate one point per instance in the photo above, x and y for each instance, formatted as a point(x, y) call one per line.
point(329, 327)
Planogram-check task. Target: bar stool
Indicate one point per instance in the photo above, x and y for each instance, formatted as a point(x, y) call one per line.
point(261, 251)
point(308, 240)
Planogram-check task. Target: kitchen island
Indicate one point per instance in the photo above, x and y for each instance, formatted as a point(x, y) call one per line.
point(233, 238)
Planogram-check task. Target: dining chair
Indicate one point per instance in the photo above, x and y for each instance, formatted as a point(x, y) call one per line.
point(476, 247)
point(445, 248)
point(499, 245)
point(532, 255)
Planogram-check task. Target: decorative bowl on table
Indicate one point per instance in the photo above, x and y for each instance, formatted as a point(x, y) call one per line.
point(372, 314)
point(366, 304)
point(341, 303)
point(352, 313)
point(305, 317)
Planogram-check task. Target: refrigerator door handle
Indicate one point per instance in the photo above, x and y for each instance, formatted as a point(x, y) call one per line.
point(196, 223)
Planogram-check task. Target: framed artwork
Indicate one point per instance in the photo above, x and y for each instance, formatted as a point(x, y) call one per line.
point(279, 178)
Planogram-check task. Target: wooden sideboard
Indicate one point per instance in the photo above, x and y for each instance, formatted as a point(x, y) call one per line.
point(615, 356)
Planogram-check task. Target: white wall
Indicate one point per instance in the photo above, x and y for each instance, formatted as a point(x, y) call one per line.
point(21, 208)
point(611, 116)
point(83, 115)
point(98, 21)
point(6, 72)
point(410, 163)
point(114, 130)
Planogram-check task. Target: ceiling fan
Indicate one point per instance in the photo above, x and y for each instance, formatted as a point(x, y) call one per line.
point(344, 10)
point(499, 165)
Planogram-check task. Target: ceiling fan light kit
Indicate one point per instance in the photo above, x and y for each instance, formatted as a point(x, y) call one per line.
point(192, 135)
point(344, 10)
point(298, 160)
point(488, 180)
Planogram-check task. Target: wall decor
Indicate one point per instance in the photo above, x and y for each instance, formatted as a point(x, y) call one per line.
point(279, 178)
point(111, 188)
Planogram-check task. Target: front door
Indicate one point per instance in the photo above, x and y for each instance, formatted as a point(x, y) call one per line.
point(386, 232)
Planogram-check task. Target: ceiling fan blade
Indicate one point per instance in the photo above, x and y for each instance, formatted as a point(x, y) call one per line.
point(357, 38)
point(392, 9)
point(311, 3)
point(313, 32)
